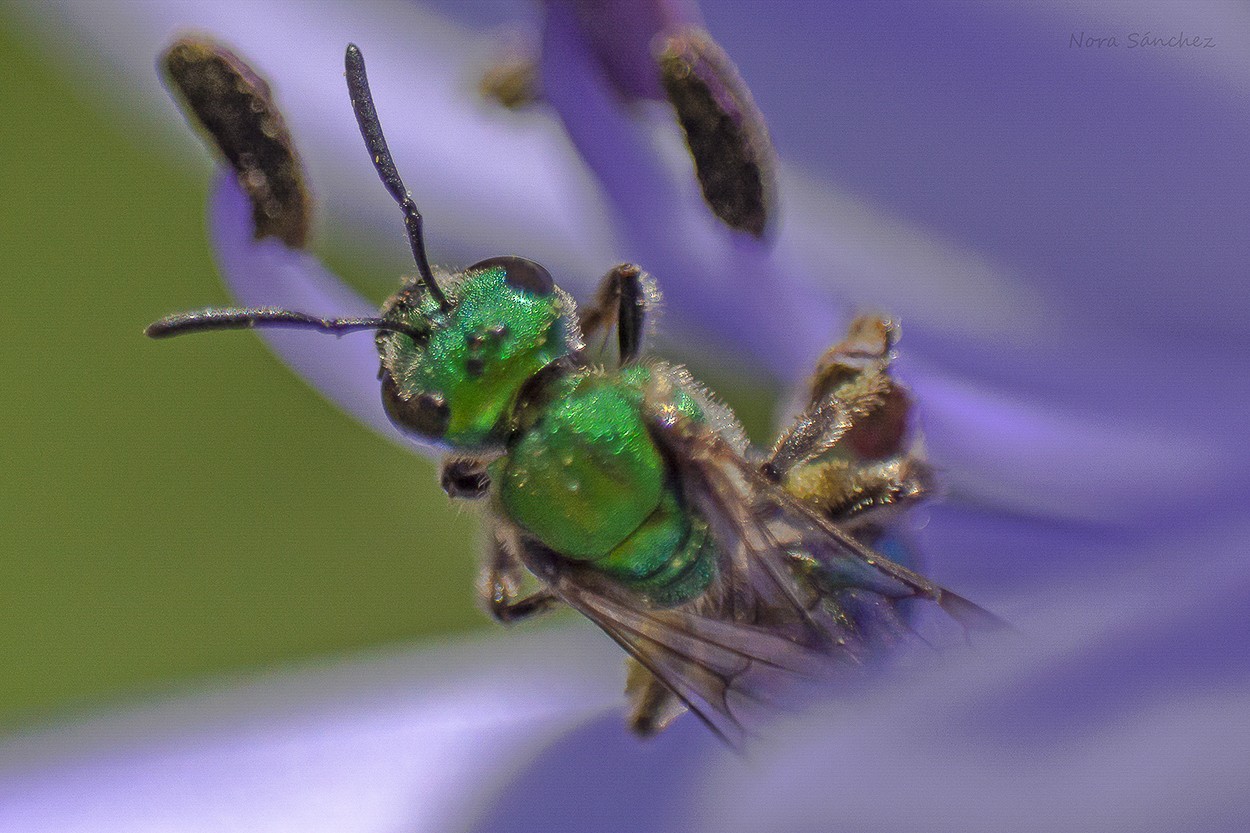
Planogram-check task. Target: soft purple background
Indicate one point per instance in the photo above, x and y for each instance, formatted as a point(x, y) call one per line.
point(1062, 232)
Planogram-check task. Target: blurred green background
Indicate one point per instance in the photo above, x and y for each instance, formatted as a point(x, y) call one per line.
point(174, 511)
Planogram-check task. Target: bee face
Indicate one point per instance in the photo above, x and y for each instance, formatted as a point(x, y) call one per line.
point(454, 379)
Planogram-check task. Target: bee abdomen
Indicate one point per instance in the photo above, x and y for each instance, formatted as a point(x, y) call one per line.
point(669, 559)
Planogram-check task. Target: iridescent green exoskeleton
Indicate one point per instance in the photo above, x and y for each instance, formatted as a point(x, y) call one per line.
point(620, 489)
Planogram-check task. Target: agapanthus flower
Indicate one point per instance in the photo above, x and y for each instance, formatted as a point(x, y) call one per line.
point(1059, 223)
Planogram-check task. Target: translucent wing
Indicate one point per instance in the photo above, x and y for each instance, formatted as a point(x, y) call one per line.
point(782, 542)
point(727, 672)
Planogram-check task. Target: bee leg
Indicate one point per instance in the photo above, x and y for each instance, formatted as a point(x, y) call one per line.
point(510, 611)
point(499, 587)
point(623, 298)
point(853, 400)
point(465, 478)
point(652, 706)
point(871, 417)
point(866, 350)
point(858, 495)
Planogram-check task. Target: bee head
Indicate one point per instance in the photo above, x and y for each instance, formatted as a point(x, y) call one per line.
point(456, 349)
point(450, 372)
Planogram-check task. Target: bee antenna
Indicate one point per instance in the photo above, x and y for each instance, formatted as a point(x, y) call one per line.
point(235, 318)
point(371, 132)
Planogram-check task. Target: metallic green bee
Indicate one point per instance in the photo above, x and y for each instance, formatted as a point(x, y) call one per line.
point(623, 491)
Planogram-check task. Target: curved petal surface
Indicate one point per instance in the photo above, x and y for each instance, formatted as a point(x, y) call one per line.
point(407, 741)
point(1122, 705)
point(1037, 398)
point(1118, 703)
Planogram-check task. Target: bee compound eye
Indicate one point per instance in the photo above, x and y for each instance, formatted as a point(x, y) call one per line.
point(426, 414)
point(520, 273)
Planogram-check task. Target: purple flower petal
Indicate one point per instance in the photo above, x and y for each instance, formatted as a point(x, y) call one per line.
point(1122, 706)
point(601, 777)
point(1120, 702)
point(622, 36)
point(1016, 454)
point(402, 742)
point(1044, 391)
point(1112, 179)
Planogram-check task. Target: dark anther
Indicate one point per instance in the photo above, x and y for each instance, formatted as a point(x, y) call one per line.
point(464, 479)
point(733, 156)
point(426, 414)
point(520, 273)
point(233, 105)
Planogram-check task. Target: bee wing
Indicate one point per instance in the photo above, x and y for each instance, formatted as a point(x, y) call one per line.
point(726, 672)
point(770, 537)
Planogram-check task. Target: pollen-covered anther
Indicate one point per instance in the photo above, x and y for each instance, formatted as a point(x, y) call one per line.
point(233, 106)
point(733, 155)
